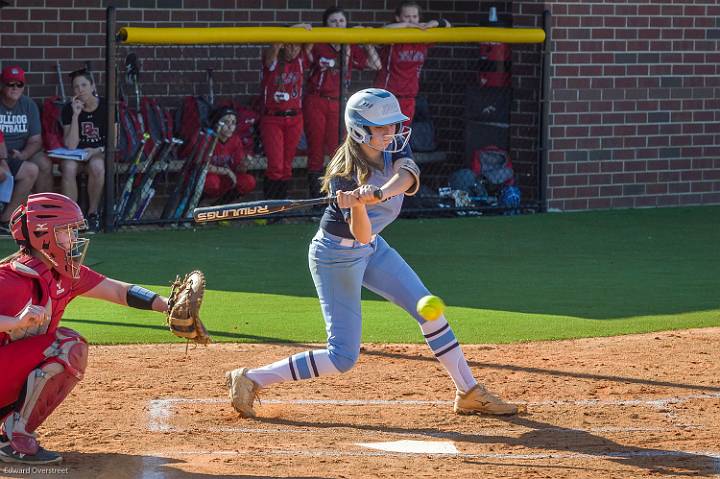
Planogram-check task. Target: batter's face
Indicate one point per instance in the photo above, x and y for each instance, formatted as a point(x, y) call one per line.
point(382, 136)
point(409, 15)
point(83, 88)
point(337, 20)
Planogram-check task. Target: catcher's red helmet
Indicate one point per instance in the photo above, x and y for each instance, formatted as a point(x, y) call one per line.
point(49, 223)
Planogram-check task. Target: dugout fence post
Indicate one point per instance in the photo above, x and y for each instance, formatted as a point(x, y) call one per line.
point(342, 91)
point(544, 113)
point(110, 97)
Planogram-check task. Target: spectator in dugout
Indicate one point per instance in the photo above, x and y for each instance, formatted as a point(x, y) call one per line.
point(321, 106)
point(20, 124)
point(281, 123)
point(227, 175)
point(84, 122)
point(401, 63)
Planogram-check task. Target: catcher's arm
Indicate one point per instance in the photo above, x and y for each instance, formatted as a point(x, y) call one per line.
point(126, 294)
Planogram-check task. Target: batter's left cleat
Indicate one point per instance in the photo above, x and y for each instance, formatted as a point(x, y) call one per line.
point(243, 391)
point(479, 400)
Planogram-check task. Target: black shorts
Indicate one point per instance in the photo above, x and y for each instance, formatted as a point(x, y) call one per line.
point(14, 165)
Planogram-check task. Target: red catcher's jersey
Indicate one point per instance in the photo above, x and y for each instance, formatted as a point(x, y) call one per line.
point(28, 280)
point(324, 77)
point(282, 86)
point(401, 65)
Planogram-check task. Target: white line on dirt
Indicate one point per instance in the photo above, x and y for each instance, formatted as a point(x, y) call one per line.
point(160, 411)
point(560, 455)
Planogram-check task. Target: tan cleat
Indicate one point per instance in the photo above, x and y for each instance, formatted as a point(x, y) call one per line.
point(479, 400)
point(243, 391)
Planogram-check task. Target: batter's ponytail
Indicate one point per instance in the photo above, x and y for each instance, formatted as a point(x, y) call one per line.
point(349, 162)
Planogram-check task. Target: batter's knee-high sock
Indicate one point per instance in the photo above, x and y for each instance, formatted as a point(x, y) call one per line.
point(305, 365)
point(446, 348)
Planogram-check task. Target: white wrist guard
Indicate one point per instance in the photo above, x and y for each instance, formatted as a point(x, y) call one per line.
point(411, 167)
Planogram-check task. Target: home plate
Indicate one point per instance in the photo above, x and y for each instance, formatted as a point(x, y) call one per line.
point(413, 447)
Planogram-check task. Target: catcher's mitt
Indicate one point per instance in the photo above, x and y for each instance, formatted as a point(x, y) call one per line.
point(183, 313)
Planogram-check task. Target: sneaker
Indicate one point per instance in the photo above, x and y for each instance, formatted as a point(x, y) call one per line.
point(479, 400)
point(94, 225)
point(42, 456)
point(242, 390)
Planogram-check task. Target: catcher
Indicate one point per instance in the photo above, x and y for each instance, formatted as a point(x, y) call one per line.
point(42, 361)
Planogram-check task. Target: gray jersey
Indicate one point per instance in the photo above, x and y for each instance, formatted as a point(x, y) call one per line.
point(19, 123)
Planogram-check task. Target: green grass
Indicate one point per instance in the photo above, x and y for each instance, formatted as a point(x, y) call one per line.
point(505, 279)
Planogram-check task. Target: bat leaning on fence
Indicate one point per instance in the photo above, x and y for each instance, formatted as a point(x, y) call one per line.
point(147, 190)
point(238, 211)
point(189, 188)
point(132, 170)
point(204, 167)
point(183, 178)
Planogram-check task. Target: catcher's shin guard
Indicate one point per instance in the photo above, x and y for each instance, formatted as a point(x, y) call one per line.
point(47, 386)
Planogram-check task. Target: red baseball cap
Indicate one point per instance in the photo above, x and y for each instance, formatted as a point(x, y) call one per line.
point(12, 73)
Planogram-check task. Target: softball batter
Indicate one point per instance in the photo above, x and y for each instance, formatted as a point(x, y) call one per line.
point(348, 253)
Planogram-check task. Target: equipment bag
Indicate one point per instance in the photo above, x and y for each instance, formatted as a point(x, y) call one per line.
point(50, 120)
point(494, 165)
point(190, 119)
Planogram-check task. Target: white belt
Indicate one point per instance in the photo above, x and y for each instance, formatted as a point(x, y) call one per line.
point(347, 242)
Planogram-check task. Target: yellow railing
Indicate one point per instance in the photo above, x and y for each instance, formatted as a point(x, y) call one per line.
point(229, 35)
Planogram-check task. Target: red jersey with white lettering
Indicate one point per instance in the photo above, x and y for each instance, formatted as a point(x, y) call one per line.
point(28, 280)
point(230, 154)
point(282, 84)
point(324, 77)
point(401, 65)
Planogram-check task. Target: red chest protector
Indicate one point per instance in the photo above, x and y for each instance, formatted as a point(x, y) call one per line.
point(50, 290)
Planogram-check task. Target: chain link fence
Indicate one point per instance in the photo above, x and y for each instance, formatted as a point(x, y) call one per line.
point(173, 155)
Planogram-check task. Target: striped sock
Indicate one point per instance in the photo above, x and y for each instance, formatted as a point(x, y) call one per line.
point(305, 365)
point(446, 348)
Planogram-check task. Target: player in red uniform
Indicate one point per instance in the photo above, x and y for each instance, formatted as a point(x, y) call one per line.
point(227, 170)
point(41, 361)
point(401, 63)
point(281, 124)
point(321, 108)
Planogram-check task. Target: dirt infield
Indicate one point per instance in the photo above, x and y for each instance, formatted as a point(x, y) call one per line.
point(633, 406)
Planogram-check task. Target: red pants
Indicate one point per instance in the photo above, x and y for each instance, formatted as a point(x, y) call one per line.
point(217, 185)
point(407, 106)
point(18, 359)
point(321, 129)
point(280, 136)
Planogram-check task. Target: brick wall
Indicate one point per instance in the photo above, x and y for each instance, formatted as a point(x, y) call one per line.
point(635, 111)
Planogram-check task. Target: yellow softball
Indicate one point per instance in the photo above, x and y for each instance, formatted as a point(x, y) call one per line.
point(430, 307)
